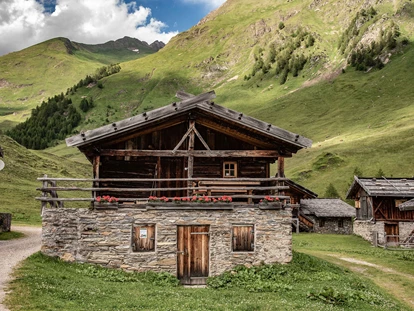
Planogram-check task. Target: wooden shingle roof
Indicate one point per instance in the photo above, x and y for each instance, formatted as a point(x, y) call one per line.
point(407, 206)
point(201, 103)
point(327, 208)
point(382, 187)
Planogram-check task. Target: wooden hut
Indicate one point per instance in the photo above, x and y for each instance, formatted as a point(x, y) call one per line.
point(378, 216)
point(296, 193)
point(173, 171)
point(328, 215)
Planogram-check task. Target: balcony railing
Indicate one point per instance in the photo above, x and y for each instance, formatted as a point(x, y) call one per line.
point(138, 190)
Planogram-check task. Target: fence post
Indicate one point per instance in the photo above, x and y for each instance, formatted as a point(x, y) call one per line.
point(375, 238)
point(44, 193)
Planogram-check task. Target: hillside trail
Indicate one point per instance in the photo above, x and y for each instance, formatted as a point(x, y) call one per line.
point(394, 282)
point(14, 251)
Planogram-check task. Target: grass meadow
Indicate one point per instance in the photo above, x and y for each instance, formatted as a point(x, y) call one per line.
point(308, 283)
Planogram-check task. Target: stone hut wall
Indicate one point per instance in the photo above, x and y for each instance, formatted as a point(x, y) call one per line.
point(331, 225)
point(366, 228)
point(105, 236)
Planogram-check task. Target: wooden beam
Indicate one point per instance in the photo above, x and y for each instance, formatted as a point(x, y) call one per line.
point(190, 129)
point(236, 134)
point(183, 95)
point(144, 131)
point(201, 138)
point(190, 167)
point(96, 164)
point(281, 167)
point(193, 153)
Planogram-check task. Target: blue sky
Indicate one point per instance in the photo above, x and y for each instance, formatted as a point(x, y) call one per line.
point(26, 22)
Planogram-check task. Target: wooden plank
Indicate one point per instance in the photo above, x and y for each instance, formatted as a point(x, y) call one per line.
point(183, 95)
point(280, 167)
point(228, 182)
point(161, 179)
point(190, 129)
point(216, 189)
point(201, 139)
point(252, 123)
point(193, 153)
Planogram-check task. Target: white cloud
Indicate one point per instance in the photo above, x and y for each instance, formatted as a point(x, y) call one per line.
point(210, 4)
point(24, 22)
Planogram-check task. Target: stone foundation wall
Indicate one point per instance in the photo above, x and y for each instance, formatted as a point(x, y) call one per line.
point(105, 236)
point(365, 229)
point(331, 225)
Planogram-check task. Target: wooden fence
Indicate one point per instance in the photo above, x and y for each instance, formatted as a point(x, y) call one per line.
point(252, 190)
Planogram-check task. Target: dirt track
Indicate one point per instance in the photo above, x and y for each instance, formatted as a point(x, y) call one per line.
point(14, 251)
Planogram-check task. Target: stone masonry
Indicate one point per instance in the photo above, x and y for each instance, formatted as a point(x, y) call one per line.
point(105, 236)
point(331, 225)
point(366, 228)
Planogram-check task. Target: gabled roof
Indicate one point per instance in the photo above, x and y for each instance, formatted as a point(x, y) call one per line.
point(200, 102)
point(407, 206)
point(300, 188)
point(327, 208)
point(382, 187)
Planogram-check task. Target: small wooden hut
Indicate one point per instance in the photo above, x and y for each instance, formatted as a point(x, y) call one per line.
point(328, 215)
point(378, 216)
point(189, 152)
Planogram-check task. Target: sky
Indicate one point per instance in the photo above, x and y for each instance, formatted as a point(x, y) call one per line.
point(24, 23)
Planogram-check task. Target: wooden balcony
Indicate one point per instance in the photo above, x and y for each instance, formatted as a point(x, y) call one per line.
point(59, 192)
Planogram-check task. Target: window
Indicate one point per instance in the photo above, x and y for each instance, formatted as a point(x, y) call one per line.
point(243, 238)
point(143, 238)
point(230, 169)
point(321, 222)
point(340, 223)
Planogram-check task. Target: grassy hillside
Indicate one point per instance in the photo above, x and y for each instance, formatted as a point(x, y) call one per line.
point(357, 118)
point(30, 76)
point(18, 178)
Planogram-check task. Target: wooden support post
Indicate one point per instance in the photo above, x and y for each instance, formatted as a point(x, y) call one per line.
point(280, 167)
point(44, 194)
point(96, 163)
point(190, 167)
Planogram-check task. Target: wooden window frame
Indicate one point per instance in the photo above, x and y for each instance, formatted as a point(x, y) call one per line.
point(149, 243)
point(250, 238)
point(340, 223)
point(234, 169)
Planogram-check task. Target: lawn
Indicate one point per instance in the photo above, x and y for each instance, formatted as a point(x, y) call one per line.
point(391, 270)
point(308, 283)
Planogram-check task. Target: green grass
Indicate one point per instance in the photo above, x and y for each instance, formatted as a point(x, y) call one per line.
point(307, 283)
point(391, 270)
point(363, 120)
point(4, 236)
point(22, 168)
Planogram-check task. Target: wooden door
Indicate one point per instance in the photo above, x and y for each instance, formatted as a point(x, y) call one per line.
point(392, 230)
point(193, 254)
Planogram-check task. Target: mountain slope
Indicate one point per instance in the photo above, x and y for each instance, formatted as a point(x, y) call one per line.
point(30, 76)
point(360, 116)
point(18, 178)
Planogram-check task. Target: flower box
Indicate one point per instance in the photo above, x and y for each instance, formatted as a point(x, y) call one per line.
point(271, 205)
point(105, 205)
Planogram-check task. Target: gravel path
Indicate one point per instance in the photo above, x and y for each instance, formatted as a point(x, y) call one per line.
point(14, 251)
